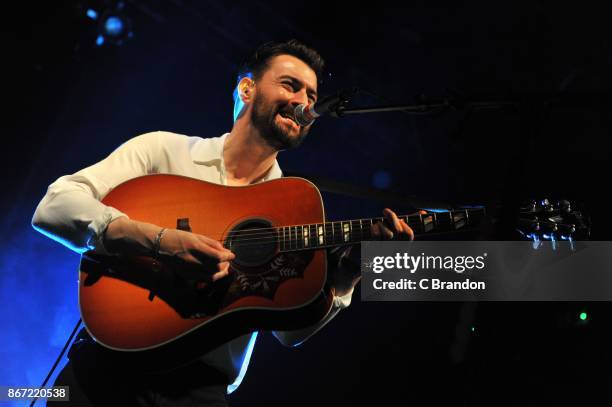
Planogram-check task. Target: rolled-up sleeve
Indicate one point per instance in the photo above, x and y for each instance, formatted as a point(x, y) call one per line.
point(71, 212)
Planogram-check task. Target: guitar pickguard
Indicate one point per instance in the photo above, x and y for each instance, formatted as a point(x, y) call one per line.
point(264, 280)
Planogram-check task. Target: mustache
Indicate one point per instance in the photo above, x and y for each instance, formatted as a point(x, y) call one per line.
point(288, 112)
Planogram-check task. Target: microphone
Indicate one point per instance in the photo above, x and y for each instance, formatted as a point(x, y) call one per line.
point(306, 114)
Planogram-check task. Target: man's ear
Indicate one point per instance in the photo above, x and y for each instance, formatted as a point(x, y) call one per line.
point(243, 95)
point(245, 89)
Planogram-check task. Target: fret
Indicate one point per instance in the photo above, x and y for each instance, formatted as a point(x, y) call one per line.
point(365, 227)
point(290, 237)
point(294, 238)
point(299, 231)
point(305, 234)
point(313, 235)
point(428, 222)
point(279, 237)
point(414, 221)
point(421, 223)
point(321, 234)
point(368, 228)
point(326, 233)
point(346, 232)
point(459, 220)
point(298, 237)
point(333, 233)
point(447, 224)
point(355, 231)
point(338, 232)
point(443, 221)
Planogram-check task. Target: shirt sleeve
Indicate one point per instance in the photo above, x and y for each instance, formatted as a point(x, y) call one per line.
point(298, 336)
point(71, 212)
point(336, 260)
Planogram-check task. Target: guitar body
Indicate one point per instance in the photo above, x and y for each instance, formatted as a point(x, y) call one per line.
point(161, 312)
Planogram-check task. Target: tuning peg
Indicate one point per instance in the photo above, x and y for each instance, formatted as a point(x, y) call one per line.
point(530, 206)
point(564, 206)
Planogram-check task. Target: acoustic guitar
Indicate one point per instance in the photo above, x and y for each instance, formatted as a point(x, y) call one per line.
point(161, 312)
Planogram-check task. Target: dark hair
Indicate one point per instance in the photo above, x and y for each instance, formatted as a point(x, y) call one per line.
point(258, 61)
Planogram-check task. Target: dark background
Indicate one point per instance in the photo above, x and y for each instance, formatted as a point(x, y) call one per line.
point(68, 103)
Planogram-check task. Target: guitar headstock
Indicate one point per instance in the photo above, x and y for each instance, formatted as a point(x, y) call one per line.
point(554, 221)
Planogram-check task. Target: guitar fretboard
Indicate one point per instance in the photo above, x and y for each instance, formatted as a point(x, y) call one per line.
point(346, 232)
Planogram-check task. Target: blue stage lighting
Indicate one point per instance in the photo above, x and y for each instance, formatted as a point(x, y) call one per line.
point(92, 14)
point(381, 179)
point(113, 26)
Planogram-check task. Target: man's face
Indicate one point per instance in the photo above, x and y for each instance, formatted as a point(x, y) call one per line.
point(287, 83)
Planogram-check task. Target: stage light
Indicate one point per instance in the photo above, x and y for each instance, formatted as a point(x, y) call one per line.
point(114, 26)
point(583, 316)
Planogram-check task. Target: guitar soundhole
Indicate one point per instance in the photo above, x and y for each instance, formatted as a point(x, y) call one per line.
point(253, 241)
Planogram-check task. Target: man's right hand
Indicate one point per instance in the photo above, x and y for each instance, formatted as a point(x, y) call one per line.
point(129, 237)
point(197, 249)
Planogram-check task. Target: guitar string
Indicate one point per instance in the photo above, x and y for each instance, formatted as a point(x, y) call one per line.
point(334, 227)
point(278, 234)
point(293, 237)
point(272, 238)
point(276, 229)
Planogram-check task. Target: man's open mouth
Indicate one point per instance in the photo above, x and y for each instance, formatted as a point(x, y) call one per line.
point(288, 116)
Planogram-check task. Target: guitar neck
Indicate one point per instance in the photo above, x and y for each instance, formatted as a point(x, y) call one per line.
point(347, 232)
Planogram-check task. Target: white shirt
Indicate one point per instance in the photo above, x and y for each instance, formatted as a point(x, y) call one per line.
point(71, 213)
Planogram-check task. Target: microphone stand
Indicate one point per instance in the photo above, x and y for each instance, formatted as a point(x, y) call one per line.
point(552, 100)
point(527, 104)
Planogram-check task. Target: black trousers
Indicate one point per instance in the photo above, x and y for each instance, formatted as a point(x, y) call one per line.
point(93, 380)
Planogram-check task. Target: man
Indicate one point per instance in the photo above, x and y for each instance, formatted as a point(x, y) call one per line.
point(276, 79)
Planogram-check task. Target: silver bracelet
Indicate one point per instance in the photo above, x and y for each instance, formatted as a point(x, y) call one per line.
point(157, 243)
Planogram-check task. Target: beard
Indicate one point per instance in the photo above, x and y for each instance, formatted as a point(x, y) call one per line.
point(278, 137)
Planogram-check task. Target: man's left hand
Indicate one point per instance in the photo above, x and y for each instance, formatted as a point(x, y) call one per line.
point(345, 279)
point(392, 228)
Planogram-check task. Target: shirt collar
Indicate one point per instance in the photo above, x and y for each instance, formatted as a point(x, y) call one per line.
point(209, 151)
